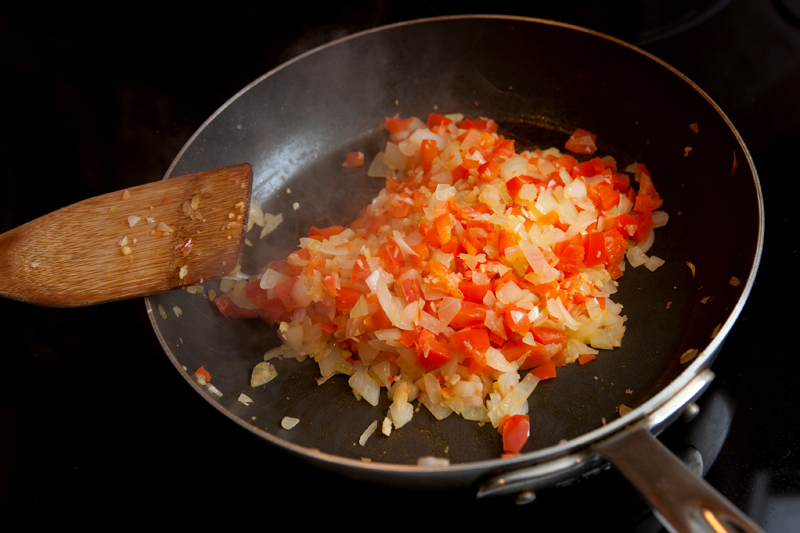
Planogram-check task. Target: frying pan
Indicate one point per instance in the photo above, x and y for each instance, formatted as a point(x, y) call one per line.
point(539, 80)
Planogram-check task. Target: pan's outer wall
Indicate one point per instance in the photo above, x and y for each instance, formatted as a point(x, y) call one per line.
point(541, 81)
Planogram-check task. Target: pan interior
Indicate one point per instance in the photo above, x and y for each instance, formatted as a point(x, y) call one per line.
point(539, 81)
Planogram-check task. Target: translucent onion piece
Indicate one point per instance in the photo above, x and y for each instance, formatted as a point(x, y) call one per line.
point(513, 400)
point(636, 257)
point(516, 166)
point(271, 278)
point(496, 360)
point(366, 387)
point(362, 440)
point(393, 157)
point(379, 169)
point(270, 223)
point(263, 373)
point(448, 310)
point(256, 216)
point(430, 322)
point(538, 262)
point(440, 412)
point(648, 242)
point(424, 133)
point(653, 263)
point(660, 219)
point(289, 422)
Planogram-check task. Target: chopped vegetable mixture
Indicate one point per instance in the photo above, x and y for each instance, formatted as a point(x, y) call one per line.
point(475, 265)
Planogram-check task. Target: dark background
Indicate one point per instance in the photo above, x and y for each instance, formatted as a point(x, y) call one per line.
point(96, 426)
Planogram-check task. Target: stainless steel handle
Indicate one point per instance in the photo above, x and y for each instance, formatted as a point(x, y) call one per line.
point(684, 502)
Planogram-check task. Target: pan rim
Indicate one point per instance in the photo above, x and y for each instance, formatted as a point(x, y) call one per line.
point(576, 445)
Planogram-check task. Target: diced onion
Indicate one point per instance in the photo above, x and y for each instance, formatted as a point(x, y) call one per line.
point(362, 440)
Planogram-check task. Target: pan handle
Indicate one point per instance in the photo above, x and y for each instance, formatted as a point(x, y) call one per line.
point(684, 502)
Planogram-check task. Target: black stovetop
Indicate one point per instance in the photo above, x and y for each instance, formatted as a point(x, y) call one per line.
point(96, 424)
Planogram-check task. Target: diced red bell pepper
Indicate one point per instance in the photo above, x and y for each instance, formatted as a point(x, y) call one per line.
point(354, 159)
point(431, 352)
point(472, 342)
point(609, 198)
point(624, 223)
point(567, 162)
point(253, 289)
point(399, 207)
point(545, 371)
point(515, 430)
point(615, 247)
point(474, 292)
point(377, 321)
point(595, 252)
point(547, 335)
point(488, 171)
point(324, 233)
point(428, 152)
point(391, 257)
point(203, 373)
point(470, 314)
point(396, 125)
point(459, 173)
point(517, 320)
point(273, 308)
point(582, 142)
point(231, 310)
point(444, 227)
point(506, 239)
point(346, 299)
point(571, 258)
point(486, 124)
point(590, 168)
point(644, 223)
point(435, 119)
point(284, 292)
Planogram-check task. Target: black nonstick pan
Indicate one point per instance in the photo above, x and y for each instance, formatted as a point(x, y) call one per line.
point(539, 80)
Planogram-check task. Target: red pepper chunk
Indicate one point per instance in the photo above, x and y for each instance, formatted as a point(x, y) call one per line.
point(644, 223)
point(515, 430)
point(396, 125)
point(609, 198)
point(354, 159)
point(431, 352)
point(444, 227)
point(590, 168)
point(470, 314)
point(435, 119)
point(547, 335)
point(571, 258)
point(615, 247)
point(472, 343)
point(346, 299)
point(474, 292)
point(545, 371)
point(487, 172)
point(428, 152)
point(391, 257)
point(203, 373)
point(514, 185)
point(517, 320)
point(324, 233)
point(595, 249)
point(231, 310)
point(582, 142)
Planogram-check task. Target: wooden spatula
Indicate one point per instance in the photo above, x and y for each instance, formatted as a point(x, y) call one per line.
point(144, 240)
